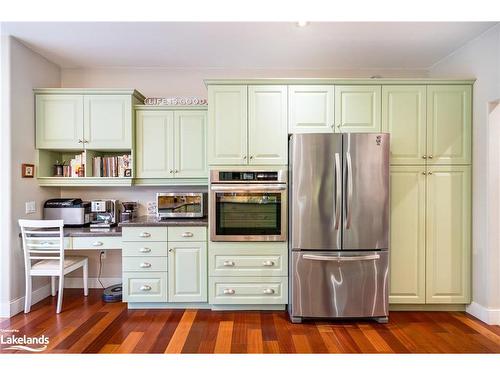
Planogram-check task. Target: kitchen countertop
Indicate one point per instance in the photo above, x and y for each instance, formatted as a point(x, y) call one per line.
point(153, 221)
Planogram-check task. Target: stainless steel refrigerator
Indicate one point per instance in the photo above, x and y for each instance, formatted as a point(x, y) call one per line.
point(339, 226)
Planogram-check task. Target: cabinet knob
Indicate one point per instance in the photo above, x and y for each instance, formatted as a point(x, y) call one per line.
point(145, 250)
point(251, 156)
point(176, 171)
point(145, 265)
point(145, 235)
point(244, 157)
point(424, 173)
point(170, 250)
point(268, 291)
point(85, 141)
point(145, 288)
point(171, 171)
point(429, 173)
point(424, 157)
point(430, 156)
point(80, 141)
point(268, 263)
point(228, 291)
point(228, 263)
point(97, 243)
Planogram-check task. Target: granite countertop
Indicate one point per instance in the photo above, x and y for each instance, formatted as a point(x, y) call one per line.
point(153, 221)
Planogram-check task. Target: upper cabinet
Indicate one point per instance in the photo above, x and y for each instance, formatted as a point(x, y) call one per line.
point(247, 125)
point(171, 143)
point(311, 109)
point(357, 108)
point(449, 117)
point(404, 117)
point(68, 119)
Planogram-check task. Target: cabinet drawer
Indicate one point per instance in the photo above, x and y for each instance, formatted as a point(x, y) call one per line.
point(235, 262)
point(248, 290)
point(187, 233)
point(145, 287)
point(144, 234)
point(144, 264)
point(144, 249)
point(97, 242)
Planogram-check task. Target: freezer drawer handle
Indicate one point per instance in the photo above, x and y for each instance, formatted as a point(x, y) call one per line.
point(341, 259)
point(229, 291)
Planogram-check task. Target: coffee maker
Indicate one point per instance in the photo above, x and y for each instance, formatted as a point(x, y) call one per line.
point(129, 211)
point(105, 213)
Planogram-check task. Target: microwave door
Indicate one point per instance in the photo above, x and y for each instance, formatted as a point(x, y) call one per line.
point(316, 191)
point(366, 187)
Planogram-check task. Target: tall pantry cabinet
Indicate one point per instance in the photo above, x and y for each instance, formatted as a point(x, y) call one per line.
point(430, 128)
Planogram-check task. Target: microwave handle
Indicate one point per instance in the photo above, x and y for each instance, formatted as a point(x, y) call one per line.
point(277, 187)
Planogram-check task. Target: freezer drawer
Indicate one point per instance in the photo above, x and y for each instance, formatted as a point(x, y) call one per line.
point(334, 284)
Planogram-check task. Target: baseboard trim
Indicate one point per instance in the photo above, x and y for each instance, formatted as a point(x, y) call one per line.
point(489, 316)
point(426, 307)
point(168, 305)
point(248, 307)
point(17, 305)
point(77, 282)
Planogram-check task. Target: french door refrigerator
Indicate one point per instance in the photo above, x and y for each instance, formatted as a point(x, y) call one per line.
point(339, 226)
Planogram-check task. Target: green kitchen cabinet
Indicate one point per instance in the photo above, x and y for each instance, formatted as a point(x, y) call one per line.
point(187, 272)
point(404, 117)
point(267, 125)
point(357, 108)
point(59, 121)
point(107, 122)
point(449, 117)
point(227, 117)
point(171, 143)
point(407, 243)
point(311, 109)
point(155, 144)
point(448, 234)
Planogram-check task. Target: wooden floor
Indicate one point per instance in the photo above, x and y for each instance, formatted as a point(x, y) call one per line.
point(88, 325)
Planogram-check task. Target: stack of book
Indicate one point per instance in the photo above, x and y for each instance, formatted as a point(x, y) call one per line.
point(112, 166)
point(76, 167)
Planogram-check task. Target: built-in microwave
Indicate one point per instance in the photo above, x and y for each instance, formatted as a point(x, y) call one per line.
point(248, 205)
point(179, 205)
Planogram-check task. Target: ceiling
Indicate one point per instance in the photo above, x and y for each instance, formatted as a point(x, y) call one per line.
point(267, 45)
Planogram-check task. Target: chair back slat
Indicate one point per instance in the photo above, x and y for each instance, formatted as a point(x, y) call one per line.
point(42, 240)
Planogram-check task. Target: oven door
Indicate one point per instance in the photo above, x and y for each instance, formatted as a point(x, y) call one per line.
point(251, 212)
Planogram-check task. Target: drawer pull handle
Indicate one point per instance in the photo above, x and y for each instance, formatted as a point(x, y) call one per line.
point(229, 291)
point(145, 235)
point(146, 288)
point(268, 263)
point(145, 250)
point(228, 263)
point(145, 265)
point(268, 291)
point(187, 234)
point(97, 243)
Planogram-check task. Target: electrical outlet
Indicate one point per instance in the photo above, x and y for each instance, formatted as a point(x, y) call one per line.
point(103, 254)
point(30, 207)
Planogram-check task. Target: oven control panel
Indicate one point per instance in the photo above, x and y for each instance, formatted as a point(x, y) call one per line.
point(248, 176)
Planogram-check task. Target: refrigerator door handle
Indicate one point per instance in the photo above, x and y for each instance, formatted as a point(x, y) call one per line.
point(340, 258)
point(349, 190)
point(338, 192)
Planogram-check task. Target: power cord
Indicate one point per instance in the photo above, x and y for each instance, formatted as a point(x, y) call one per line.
point(100, 269)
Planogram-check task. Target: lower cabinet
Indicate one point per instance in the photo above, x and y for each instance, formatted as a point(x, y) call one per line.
point(430, 246)
point(158, 270)
point(248, 290)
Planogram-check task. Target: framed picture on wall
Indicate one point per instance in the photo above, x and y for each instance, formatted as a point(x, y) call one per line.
point(27, 170)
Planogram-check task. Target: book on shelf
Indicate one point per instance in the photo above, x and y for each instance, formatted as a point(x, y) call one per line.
point(76, 166)
point(112, 166)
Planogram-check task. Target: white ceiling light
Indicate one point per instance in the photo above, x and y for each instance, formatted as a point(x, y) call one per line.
point(302, 23)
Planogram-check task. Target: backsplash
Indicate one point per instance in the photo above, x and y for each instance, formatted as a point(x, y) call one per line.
point(140, 194)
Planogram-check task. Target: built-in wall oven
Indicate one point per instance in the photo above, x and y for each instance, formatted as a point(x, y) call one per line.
point(248, 205)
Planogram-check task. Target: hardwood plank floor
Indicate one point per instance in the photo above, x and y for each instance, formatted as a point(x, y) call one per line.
point(87, 325)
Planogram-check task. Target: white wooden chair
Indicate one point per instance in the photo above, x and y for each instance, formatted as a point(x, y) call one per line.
point(43, 242)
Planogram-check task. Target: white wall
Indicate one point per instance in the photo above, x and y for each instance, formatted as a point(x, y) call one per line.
point(480, 58)
point(26, 70)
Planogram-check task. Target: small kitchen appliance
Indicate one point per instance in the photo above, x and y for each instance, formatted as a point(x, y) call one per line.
point(129, 211)
point(105, 213)
point(181, 205)
point(73, 211)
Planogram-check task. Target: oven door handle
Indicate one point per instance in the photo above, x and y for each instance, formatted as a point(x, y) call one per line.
point(342, 259)
point(264, 188)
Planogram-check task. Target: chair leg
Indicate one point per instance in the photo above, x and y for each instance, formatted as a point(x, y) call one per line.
point(60, 295)
point(86, 278)
point(27, 297)
point(52, 286)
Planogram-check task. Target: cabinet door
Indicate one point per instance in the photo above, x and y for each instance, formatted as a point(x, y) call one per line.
point(190, 144)
point(407, 246)
point(155, 144)
point(310, 109)
point(404, 117)
point(267, 125)
point(357, 109)
point(59, 121)
point(227, 124)
point(448, 234)
point(449, 115)
point(108, 122)
point(187, 272)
